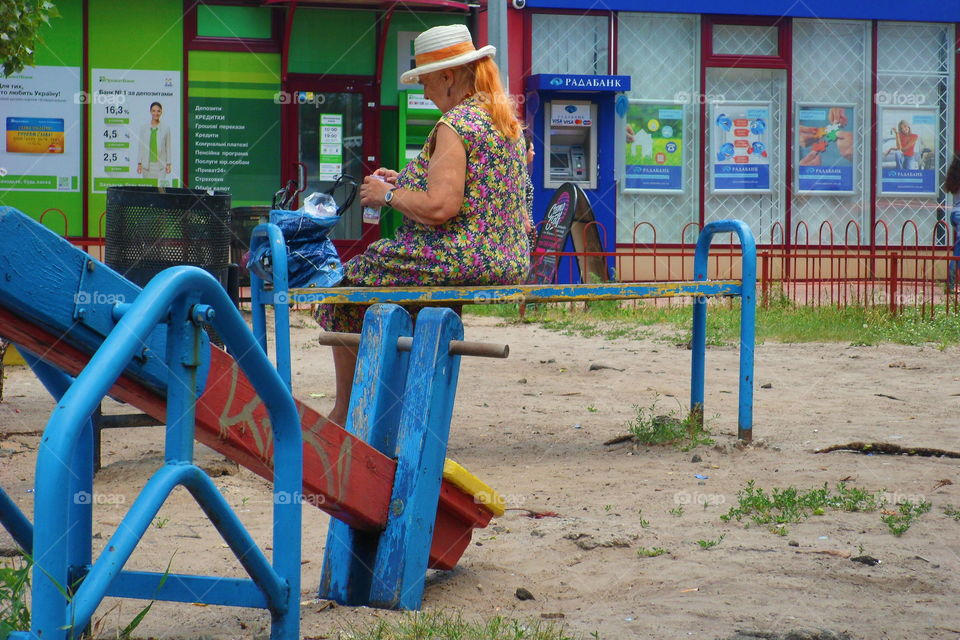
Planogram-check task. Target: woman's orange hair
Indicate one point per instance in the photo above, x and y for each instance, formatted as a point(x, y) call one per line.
point(490, 93)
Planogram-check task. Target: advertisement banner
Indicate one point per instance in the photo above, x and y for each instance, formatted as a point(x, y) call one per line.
point(654, 147)
point(41, 129)
point(136, 128)
point(825, 145)
point(908, 150)
point(739, 147)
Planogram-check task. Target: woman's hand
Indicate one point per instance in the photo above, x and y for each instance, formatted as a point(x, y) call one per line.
point(372, 190)
point(389, 175)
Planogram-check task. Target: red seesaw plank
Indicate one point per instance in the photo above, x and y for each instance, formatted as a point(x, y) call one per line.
point(342, 475)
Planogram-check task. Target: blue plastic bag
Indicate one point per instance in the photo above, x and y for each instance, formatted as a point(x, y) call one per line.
point(312, 260)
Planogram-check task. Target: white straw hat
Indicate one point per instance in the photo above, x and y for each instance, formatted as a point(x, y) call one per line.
point(443, 48)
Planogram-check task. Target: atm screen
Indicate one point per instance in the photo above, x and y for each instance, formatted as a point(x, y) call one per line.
point(559, 159)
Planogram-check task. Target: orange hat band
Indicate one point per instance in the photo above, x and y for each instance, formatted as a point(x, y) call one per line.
point(443, 54)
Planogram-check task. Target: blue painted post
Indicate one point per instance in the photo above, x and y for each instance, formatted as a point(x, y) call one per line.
point(278, 297)
point(404, 549)
point(374, 416)
point(748, 303)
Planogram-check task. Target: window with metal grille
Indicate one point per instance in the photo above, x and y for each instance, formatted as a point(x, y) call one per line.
point(563, 43)
point(745, 40)
point(914, 70)
point(831, 67)
point(661, 53)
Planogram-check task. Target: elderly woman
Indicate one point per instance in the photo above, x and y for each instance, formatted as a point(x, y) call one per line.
point(462, 199)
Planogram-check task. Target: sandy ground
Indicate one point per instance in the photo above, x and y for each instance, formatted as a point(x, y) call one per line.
point(534, 427)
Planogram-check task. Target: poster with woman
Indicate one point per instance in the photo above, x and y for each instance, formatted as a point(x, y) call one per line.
point(825, 145)
point(654, 147)
point(740, 147)
point(907, 153)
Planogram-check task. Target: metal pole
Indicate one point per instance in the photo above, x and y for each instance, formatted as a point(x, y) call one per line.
point(497, 36)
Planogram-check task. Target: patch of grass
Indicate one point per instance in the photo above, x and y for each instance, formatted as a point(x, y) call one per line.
point(441, 625)
point(14, 586)
point(952, 512)
point(651, 429)
point(676, 512)
point(780, 507)
point(781, 321)
point(908, 512)
point(651, 552)
point(710, 544)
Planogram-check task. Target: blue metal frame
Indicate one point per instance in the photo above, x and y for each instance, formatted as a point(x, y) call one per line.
point(748, 304)
point(700, 288)
point(182, 298)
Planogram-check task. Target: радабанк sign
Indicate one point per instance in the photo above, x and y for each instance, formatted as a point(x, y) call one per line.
point(571, 82)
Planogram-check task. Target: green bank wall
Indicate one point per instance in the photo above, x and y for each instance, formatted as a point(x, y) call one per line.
point(62, 46)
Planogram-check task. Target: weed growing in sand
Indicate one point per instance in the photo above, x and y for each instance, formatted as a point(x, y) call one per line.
point(651, 429)
point(651, 552)
point(952, 512)
point(643, 523)
point(160, 523)
point(676, 512)
point(710, 544)
point(781, 507)
point(900, 521)
point(14, 585)
point(446, 626)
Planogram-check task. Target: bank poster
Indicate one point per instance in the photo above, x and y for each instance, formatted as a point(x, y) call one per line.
point(908, 150)
point(41, 138)
point(654, 147)
point(136, 128)
point(740, 147)
point(825, 143)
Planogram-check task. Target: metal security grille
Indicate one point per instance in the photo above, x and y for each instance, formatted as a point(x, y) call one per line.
point(569, 44)
point(745, 40)
point(831, 65)
point(914, 68)
point(662, 54)
point(763, 210)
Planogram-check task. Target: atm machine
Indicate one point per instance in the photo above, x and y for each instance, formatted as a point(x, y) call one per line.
point(574, 120)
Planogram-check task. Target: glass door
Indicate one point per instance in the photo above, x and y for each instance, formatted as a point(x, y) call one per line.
point(331, 133)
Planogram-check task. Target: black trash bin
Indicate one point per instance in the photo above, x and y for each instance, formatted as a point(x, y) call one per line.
point(149, 229)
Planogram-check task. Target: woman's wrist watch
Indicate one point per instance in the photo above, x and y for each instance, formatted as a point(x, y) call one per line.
point(388, 196)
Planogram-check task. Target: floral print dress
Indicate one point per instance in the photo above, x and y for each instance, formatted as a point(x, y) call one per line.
point(483, 244)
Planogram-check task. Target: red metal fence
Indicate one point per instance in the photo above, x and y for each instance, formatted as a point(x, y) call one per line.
point(814, 269)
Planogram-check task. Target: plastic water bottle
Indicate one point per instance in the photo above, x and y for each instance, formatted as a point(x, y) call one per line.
point(371, 215)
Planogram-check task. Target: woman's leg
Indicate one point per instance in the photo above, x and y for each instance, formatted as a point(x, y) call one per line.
point(344, 364)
